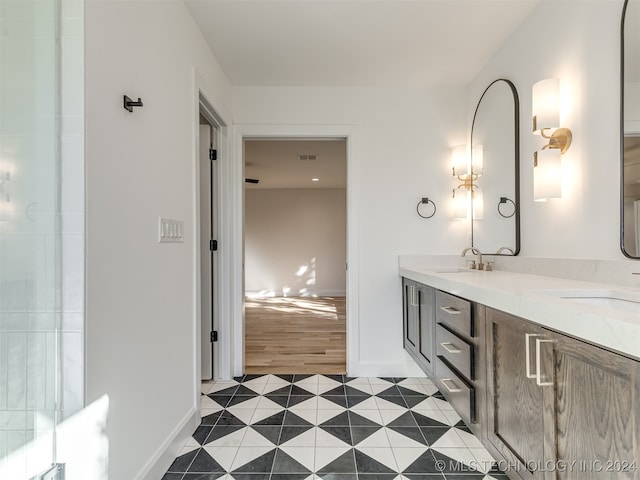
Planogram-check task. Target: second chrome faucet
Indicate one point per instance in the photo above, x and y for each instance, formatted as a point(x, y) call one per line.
point(474, 265)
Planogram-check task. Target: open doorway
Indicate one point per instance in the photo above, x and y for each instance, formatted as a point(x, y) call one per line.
point(295, 255)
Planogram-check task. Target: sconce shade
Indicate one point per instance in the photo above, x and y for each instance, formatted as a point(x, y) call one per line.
point(545, 101)
point(461, 203)
point(478, 204)
point(459, 163)
point(477, 160)
point(547, 175)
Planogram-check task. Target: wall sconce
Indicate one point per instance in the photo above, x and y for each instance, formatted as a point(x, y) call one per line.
point(547, 162)
point(467, 197)
point(4, 194)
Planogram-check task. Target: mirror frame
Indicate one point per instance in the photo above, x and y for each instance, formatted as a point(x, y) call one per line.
point(624, 252)
point(516, 154)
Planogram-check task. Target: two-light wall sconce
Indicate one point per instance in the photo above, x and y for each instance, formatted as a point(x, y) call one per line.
point(5, 197)
point(467, 169)
point(547, 162)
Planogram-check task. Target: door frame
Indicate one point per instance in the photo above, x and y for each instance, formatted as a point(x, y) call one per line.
point(292, 132)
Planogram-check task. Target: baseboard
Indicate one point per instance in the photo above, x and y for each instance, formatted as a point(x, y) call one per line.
point(385, 369)
point(158, 464)
point(280, 293)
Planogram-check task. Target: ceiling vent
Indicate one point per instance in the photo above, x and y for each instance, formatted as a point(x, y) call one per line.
point(307, 157)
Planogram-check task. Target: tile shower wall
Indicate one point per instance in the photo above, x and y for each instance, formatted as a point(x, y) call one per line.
point(41, 232)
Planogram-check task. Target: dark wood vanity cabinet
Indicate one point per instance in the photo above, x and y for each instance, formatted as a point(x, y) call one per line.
point(559, 408)
point(418, 322)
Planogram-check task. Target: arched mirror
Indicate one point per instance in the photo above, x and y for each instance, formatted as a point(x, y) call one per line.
point(495, 154)
point(630, 127)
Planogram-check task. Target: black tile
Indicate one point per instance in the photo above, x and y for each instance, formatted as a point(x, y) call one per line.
point(340, 420)
point(433, 434)
point(343, 433)
point(424, 421)
point(388, 379)
point(404, 420)
point(338, 378)
point(425, 463)
point(407, 392)
point(399, 379)
point(276, 419)
point(221, 400)
point(360, 433)
point(465, 476)
point(251, 476)
point(210, 420)
point(424, 476)
point(181, 463)
point(414, 400)
point(392, 391)
point(413, 433)
point(201, 433)
point(291, 431)
point(240, 378)
point(245, 392)
point(462, 426)
point(296, 399)
point(280, 392)
point(285, 464)
point(279, 399)
point(204, 463)
point(286, 378)
point(377, 476)
point(230, 391)
point(450, 466)
point(293, 419)
point(262, 464)
point(395, 399)
point(344, 464)
point(296, 390)
point(227, 418)
point(354, 391)
point(203, 476)
point(289, 476)
point(366, 464)
point(222, 431)
point(252, 377)
point(297, 377)
point(439, 396)
point(339, 391)
point(270, 432)
point(172, 476)
point(339, 400)
point(239, 399)
point(360, 421)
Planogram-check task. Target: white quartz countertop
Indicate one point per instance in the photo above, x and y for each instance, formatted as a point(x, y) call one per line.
point(536, 298)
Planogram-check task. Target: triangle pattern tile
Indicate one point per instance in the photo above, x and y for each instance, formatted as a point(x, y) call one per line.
point(270, 432)
point(303, 456)
point(325, 404)
point(244, 403)
point(414, 400)
point(307, 414)
point(340, 420)
point(201, 434)
point(335, 378)
point(359, 434)
point(277, 389)
point(253, 460)
point(452, 459)
point(255, 438)
point(406, 457)
point(354, 400)
point(280, 400)
point(339, 401)
point(368, 404)
point(296, 390)
point(226, 436)
point(221, 400)
point(361, 385)
point(207, 402)
point(244, 391)
point(308, 403)
point(182, 462)
point(342, 433)
point(268, 417)
point(389, 416)
point(326, 415)
point(327, 439)
point(286, 378)
point(285, 464)
point(469, 439)
point(338, 390)
point(425, 464)
point(404, 420)
point(375, 460)
point(378, 439)
point(430, 418)
point(334, 460)
point(433, 434)
point(452, 417)
point(228, 418)
point(298, 436)
point(293, 419)
point(395, 399)
point(297, 399)
point(244, 415)
point(209, 418)
point(398, 440)
point(256, 385)
point(385, 404)
point(205, 463)
point(326, 385)
point(365, 418)
point(224, 456)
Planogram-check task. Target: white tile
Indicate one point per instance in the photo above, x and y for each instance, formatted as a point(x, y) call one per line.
point(325, 439)
point(309, 387)
point(251, 403)
point(223, 455)
point(484, 459)
point(469, 439)
point(362, 387)
point(324, 415)
point(247, 454)
point(306, 439)
point(451, 439)
point(442, 404)
point(216, 387)
point(328, 381)
point(397, 440)
point(426, 404)
point(406, 456)
point(436, 415)
point(254, 439)
point(308, 414)
point(325, 387)
point(379, 387)
point(326, 455)
point(246, 415)
point(231, 440)
point(418, 388)
point(204, 412)
point(187, 449)
point(452, 417)
point(389, 416)
point(324, 404)
point(383, 455)
point(257, 384)
point(387, 405)
point(378, 439)
point(368, 404)
point(461, 454)
point(310, 404)
point(206, 402)
point(373, 415)
point(263, 403)
point(303, 455)
point(260, 414)
point(379, 381)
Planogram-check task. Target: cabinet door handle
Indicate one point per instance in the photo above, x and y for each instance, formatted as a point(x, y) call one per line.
point(453, 389)
point(527, 351)
point(451, 310)
point(447, 346)
point(414, 290)
point(538, 368)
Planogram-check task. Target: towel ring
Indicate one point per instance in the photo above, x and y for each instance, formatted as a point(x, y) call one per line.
point(504, 200)
point(426, 201)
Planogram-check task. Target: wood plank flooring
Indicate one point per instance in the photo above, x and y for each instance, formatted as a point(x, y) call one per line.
point(295, 334)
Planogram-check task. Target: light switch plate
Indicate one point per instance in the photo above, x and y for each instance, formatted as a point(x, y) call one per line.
point(170, 231)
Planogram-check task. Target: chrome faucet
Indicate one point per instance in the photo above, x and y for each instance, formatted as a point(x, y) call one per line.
point(501, 249)
point(475, 251)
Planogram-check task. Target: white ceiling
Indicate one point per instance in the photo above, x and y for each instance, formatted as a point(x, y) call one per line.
point(275, 163)
point(421, 43)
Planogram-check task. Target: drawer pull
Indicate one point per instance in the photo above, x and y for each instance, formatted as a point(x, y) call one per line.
point(453, 389)
point(447, 346)
point(527, 354)
point(538, 367)
point(451, 310)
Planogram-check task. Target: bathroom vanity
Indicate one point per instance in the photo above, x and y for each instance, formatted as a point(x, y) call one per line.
point(545, 371)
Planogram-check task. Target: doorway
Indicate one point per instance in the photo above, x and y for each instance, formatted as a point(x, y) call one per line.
point(295, 250)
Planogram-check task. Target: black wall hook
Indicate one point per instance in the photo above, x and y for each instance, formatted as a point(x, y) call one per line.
point(426, 201)
point(129, 104)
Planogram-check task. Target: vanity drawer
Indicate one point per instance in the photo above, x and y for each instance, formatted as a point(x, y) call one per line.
point(457, 391)
point(454, 312)
point(455, 350)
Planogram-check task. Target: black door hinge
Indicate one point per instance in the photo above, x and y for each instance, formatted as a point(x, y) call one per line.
point(213, 245)
point(214, 336)
point(213, 154)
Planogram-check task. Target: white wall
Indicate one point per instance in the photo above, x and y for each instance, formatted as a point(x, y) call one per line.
point(398, 153)
point(295, 239)
point(579, 43)
point(140, 295)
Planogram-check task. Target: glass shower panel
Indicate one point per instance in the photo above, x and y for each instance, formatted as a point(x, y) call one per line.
point(30, 280)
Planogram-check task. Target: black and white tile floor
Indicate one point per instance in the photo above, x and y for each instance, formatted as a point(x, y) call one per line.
point(310, 427)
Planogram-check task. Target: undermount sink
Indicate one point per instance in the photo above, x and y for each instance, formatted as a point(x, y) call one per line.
point(616, 299)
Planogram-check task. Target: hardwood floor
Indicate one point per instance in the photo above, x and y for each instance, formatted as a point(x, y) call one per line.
point(295, 335)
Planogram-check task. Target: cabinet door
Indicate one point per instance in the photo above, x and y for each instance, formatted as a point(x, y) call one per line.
point(426, 325)
point(410, 315)
point(592, 410)
point(514, 401)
